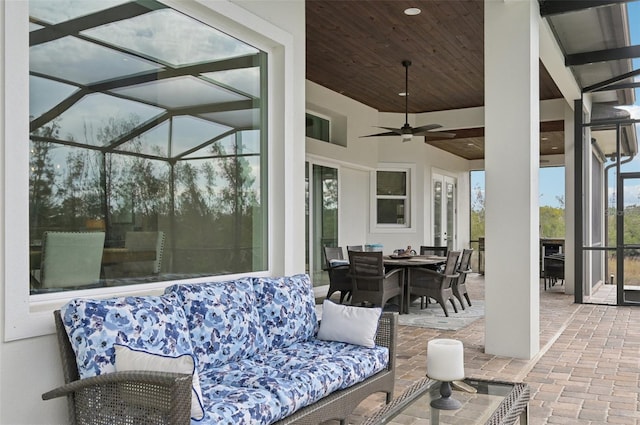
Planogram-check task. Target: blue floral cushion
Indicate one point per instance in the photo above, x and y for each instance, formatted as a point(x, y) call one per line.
point(354, 363)
point(230, 405)
point(300, 374)
point(223, 321)
point(154, 324)
point(287, 309)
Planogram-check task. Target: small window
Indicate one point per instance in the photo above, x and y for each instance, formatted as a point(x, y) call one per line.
point(392, 198)
point(318, 128)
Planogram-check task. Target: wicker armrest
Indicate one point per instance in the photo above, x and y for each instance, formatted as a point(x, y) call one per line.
point(387, 335)
point(393, 272)
point(129, 396)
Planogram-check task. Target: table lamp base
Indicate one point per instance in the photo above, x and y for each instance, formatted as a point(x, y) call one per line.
point(445, 402)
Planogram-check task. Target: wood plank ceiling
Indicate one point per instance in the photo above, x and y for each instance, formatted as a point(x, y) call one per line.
point(356, 48)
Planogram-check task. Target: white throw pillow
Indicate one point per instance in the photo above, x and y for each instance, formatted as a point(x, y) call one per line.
point(353, 325)
point(130, 359)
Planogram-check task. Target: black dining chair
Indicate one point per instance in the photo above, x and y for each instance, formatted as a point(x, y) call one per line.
point(370, 283)
point(553, 270)
point(432, 284)
point(338, 269)
point(440, 251)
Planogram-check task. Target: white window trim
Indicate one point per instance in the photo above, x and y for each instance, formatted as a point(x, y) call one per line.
point(410, 209)
point(27, 316)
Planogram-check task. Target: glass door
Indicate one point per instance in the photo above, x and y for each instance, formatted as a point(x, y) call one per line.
point(628, 288)
point(322, 218)
point(444, 211)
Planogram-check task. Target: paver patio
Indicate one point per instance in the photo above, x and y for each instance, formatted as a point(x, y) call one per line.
point(587, 371)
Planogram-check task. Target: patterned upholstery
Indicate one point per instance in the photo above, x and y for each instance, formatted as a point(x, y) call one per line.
point(287, 309)
point(223, 322)
point(154, 324)
point(291, 377)
point(253, 340)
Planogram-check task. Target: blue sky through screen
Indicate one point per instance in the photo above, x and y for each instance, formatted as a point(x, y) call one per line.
point(551, 183)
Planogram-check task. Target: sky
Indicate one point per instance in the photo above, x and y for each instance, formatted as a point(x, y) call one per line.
point(551, 183)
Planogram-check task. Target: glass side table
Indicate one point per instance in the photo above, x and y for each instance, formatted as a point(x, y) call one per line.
point(492, 403)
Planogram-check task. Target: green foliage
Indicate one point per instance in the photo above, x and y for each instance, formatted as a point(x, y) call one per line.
point(552, 224)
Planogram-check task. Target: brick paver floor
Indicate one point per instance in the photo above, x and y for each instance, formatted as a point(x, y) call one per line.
point(587, 371)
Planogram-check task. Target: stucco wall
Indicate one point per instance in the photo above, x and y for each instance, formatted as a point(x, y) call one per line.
point(31, 366)
point(363, 155)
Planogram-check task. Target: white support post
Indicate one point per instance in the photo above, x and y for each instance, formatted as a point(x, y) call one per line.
point(512, 143)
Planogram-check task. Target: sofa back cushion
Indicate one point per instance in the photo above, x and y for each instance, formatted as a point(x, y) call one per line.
point(287, 309)
point(155, 324)
point(223, 322)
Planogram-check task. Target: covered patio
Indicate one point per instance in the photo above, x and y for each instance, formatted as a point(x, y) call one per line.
point(586, 372)
point(503, 83)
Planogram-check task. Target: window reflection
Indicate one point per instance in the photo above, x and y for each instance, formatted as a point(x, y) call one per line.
point(147, 129)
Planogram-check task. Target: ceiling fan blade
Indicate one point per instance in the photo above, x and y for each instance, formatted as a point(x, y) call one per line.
point(388, 133)
point(435, 135)
point(395, 130)
point(425, 128)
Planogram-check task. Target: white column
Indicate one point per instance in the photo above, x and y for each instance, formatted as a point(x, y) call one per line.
point(569, 201)
point(512, 143)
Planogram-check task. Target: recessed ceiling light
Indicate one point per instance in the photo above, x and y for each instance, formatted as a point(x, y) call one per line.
point(469, 144)
point(412, 11)
point(403, 94)
point(554, 148)
point(544, 138)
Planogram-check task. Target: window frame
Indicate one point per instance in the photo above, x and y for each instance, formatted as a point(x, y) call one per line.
point(409, 204)
point(26, 315)
point(322, 117)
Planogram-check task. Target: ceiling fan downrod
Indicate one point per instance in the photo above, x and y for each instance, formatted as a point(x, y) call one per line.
point(406, 64)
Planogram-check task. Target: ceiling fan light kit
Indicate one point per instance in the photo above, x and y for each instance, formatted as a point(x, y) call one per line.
point(406, 132)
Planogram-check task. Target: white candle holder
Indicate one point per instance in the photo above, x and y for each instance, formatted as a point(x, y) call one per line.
point(445, 363)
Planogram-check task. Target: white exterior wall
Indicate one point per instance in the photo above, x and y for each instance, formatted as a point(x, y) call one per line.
point(362, 156)
point(30, 366)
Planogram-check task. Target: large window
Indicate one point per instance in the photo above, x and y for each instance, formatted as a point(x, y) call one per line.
point(148, 128)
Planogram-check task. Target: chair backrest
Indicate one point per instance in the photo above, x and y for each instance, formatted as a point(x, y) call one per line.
point(554, 267)
point(434, 250)
point(450, 267)
point(71, 258)
point(465, 260)
point(145, 241)
point(366, 269)
point(355, 248)
point(332, 253)
point(465, 264)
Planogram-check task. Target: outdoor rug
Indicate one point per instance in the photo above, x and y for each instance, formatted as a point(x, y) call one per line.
point(433, 317)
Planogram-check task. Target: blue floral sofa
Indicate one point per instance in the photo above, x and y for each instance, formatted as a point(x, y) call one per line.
point(245, 351)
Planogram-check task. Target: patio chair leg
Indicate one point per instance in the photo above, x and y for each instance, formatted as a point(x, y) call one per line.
point(444, 308)
point(467, 297)
point(454, 305)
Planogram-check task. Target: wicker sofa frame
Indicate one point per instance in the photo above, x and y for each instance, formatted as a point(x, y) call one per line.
point(140, 397)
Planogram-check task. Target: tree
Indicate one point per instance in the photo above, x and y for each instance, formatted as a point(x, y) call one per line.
point(42, 178)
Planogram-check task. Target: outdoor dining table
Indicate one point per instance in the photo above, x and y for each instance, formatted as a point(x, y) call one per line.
point(407, 262)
